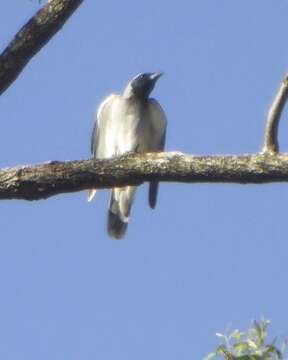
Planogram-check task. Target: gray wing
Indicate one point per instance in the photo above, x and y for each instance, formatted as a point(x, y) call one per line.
point(103, 133)
point(160, 125)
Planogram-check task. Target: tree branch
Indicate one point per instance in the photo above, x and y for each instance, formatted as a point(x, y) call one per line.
point(271, 132)
point(45, 180)
point(32, 37)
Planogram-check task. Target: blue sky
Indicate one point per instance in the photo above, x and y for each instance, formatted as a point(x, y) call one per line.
point(209, 256)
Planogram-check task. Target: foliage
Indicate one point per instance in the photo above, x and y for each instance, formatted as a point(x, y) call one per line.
point(249, 345)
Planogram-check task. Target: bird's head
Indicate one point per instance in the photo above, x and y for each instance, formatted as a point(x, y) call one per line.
point(142, 85)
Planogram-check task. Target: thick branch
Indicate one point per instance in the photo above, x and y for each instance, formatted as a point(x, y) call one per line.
point(45, 180)
point(271, 132)
point(32, 37)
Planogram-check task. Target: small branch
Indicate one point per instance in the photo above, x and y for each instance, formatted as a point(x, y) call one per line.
point(32, 37)
point(274, 114)
point(45, 180)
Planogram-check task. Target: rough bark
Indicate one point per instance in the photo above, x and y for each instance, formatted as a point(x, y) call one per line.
point(45, 180)
point(32, 37)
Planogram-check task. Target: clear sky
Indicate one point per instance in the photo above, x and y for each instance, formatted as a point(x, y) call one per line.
point(209, 256)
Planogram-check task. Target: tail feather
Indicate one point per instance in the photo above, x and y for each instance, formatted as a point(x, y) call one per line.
point(119, 211)
point(116, 227)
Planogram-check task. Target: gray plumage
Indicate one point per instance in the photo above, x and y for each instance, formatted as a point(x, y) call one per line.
point(131, 122)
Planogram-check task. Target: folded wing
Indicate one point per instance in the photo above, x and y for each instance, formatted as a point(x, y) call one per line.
point(103, 141)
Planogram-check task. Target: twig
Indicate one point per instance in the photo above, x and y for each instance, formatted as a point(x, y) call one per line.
point(45, 180)
point(271, 132)
point(32, 37)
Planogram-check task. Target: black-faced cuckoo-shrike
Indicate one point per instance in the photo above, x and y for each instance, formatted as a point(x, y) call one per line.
point(128, 122)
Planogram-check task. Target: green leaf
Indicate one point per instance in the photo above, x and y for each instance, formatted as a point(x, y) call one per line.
point(252, 344)
point(222, 350)
point(271, 349)
point(241, 347)
point(236, 334)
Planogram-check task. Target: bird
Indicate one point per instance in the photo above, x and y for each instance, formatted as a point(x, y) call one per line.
point(131, 122)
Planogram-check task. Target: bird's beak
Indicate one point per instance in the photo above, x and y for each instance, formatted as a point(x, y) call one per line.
point(155, 76)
